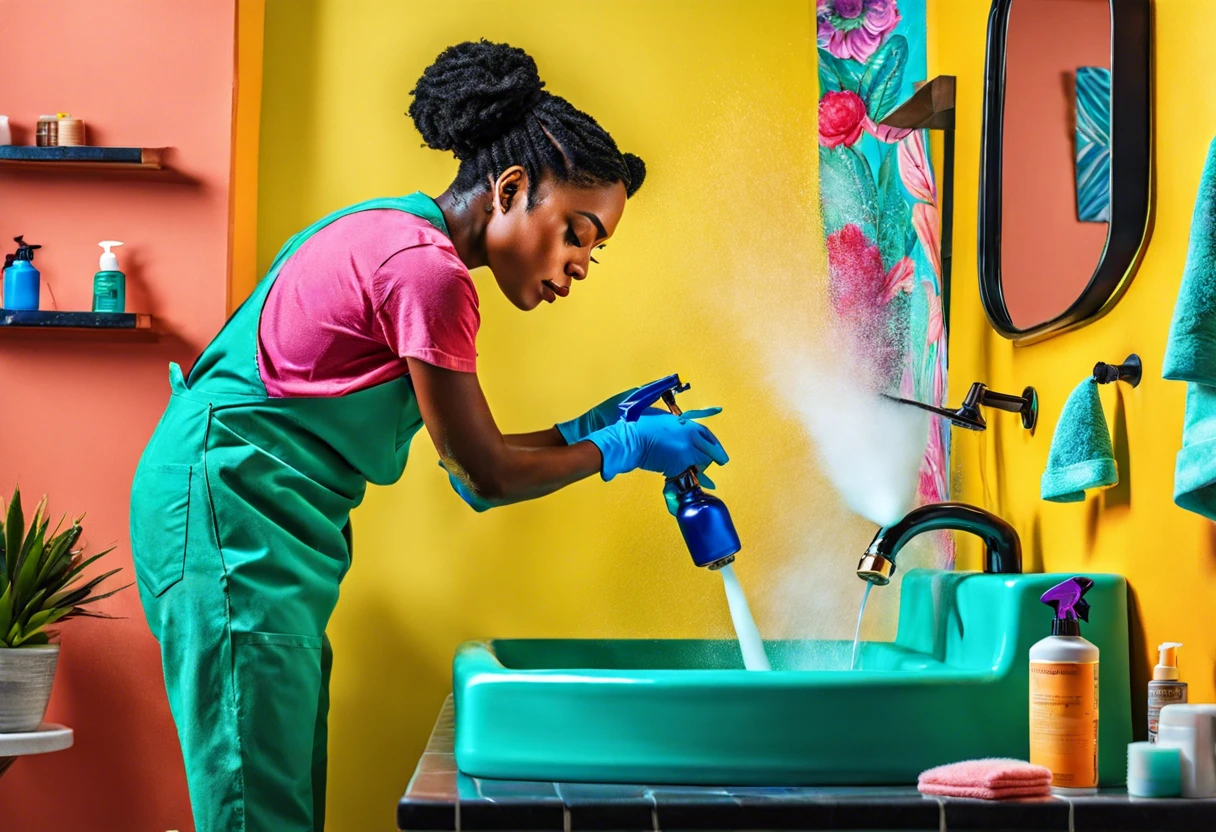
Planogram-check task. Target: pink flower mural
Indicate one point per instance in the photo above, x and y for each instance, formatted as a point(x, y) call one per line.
point(879, 204)
point(914, 167)
point(935, 329)
point(900, 279)
point(861, 291)
point(854, 29)
point(842, 117)
point(927, 223)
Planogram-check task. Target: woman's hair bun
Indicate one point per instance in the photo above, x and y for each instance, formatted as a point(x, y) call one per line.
point(472, 94)
point(637, 173)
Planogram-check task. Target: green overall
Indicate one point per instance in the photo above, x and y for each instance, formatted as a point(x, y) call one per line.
point(239, 513)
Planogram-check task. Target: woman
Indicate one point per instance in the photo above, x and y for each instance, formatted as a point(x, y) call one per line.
point(363, 331)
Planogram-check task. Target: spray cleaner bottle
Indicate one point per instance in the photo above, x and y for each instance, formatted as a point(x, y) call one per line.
point(1064, 694)
point(21, 279)
point(703, 519)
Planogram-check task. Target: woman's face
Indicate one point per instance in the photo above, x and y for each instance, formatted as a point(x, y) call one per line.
point(536, 255)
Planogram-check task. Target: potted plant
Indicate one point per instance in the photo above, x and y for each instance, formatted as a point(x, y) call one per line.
point(40, 574)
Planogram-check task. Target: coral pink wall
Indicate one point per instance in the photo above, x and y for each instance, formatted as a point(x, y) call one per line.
point(1047, 255)
point(76, 413)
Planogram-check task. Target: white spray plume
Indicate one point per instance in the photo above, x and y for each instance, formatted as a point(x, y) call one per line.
point(868, 446)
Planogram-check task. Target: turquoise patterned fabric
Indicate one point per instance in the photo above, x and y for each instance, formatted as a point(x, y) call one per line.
point(1093, 144)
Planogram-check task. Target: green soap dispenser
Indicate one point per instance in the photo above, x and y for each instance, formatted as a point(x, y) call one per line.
point(109, 284)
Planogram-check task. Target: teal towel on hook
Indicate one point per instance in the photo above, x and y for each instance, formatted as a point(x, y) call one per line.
point(1195, 467)
point(1190, 354)
point(1081, 456)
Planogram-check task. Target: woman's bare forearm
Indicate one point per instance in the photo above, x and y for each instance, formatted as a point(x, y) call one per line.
point(497, 468)
point(550, 438)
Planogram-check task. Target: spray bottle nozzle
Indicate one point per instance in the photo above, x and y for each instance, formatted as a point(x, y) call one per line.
point(1067, 599)
point(25, 251)
point(665, 388)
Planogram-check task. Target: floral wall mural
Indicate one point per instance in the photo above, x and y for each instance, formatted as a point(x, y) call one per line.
point(880, 209)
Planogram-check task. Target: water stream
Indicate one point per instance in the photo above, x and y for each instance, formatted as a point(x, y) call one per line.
point(750, 642)
point(857, 635)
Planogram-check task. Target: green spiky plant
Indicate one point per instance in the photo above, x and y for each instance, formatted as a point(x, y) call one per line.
point(39, 575)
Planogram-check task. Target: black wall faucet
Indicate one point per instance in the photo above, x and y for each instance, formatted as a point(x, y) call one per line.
point(971, 417)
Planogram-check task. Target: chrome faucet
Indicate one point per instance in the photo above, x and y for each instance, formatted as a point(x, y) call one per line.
point(1002, 548)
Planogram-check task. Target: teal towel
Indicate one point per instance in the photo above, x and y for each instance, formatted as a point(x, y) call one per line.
point(1195, 467)
point(1190, 354)
point(1081, 455)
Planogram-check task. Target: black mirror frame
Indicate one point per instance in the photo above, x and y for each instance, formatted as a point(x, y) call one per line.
point(1131, 172)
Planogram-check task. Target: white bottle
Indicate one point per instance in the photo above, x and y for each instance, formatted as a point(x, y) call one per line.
point(6, 135)
point(1064, 695)
point(1192, 730)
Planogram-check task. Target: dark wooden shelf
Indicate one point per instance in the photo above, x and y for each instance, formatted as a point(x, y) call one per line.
point(83, 158)
point(49, 320)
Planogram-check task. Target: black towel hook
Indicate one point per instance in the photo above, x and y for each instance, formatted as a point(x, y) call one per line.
point(1130, 371)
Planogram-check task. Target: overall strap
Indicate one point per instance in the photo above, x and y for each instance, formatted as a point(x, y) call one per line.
point(229, 364)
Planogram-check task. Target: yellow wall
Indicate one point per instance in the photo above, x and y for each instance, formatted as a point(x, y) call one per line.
point(1167, 554)
point(719, 251)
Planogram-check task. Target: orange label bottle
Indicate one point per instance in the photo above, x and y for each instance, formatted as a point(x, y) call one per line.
point(1064, 694)
point(1064, 722)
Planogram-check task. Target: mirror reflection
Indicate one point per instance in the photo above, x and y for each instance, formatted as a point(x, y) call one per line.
point(1055, 197)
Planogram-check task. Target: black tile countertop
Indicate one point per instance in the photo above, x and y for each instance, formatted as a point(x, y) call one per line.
point(441, 798)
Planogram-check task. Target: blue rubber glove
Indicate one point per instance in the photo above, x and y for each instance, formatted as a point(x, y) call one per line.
point(475, 502)
point(659, 442)
point(601, 416)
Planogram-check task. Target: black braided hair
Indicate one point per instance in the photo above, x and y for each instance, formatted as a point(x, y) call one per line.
point(485, 103)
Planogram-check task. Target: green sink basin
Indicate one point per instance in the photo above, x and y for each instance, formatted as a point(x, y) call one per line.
point(953, 685)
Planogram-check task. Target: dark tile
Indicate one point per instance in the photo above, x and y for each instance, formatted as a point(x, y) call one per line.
point(1037, 813)
point(1117, 812)
point(604, 791)
point(789, 813)
point(512, 790)
point(693, 814)
point(883, 810)
point(426, 815)
point(509, 804)
point(537, 814)
point(607, 806)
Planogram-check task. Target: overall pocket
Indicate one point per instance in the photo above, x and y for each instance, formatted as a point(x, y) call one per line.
point(160, 511)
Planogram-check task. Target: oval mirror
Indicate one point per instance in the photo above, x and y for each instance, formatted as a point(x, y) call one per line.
point(1065, 192)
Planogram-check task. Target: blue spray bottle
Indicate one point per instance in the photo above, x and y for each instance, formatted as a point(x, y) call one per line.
point(21, 279)
point(704, 521)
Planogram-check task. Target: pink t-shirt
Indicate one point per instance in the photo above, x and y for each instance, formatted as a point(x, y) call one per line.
point(357, 298)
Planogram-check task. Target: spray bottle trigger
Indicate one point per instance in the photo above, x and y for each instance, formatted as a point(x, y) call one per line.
point(633, 407)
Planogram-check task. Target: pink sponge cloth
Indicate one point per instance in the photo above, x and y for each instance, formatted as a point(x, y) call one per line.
point(988, 779)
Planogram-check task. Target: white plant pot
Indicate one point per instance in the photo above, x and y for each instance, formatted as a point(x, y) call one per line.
point(26, 676)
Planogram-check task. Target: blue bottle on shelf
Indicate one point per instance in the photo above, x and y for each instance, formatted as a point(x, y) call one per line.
point(21, 279)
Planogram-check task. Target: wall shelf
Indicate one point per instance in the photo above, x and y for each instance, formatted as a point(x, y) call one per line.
point(83, 158)
point(49, 320)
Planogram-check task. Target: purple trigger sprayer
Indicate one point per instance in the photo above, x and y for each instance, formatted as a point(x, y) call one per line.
point(1068, 601)
point(704, 521)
